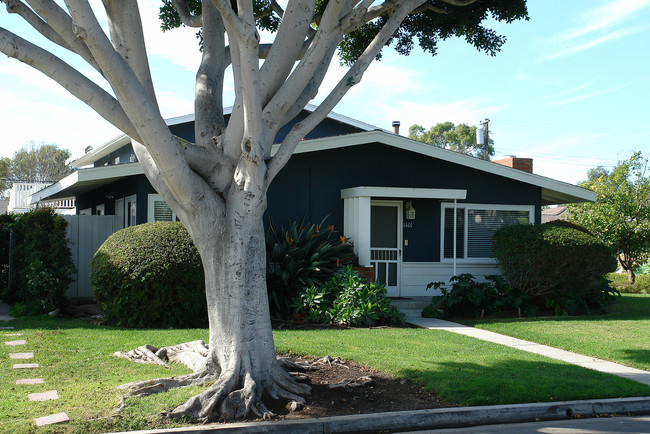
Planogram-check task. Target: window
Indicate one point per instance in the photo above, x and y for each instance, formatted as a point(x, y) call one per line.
point(158, 210)
point(475, 225)
point(100, 210)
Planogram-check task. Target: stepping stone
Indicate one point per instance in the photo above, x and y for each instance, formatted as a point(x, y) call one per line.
point(13, 334)
point(25, 365)
point(6, 328)
point(21, 355)
point(54, 418)
point(43, 396)
point(13, 343)
point(30, 381)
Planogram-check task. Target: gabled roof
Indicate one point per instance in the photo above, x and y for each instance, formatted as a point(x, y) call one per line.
point(117, 142)
point(553, 192)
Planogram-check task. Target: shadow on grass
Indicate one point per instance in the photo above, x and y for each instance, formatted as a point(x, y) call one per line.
point(518, 381)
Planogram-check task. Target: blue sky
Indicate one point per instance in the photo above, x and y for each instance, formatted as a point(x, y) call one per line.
point(570, 88)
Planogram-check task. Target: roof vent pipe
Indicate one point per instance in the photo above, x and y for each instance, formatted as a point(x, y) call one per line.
point(396, 125)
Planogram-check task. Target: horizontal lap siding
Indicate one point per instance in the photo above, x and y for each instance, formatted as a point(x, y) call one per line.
point(417, 275)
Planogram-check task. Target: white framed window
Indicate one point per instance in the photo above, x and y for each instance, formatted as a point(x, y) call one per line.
point(100, 210)
point(475, 225)
point(158, 210)
point(130, 211)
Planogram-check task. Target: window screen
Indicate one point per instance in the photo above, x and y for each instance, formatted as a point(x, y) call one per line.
point(481, 225)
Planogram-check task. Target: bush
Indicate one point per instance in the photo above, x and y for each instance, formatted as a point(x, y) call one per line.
point(42, 267)
point(346, 298)
point(641, 284)
point(558, 267)
point(470, 298)
point(303, 255)
point(150, 275)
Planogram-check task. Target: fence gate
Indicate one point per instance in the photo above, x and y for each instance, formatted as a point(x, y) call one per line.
point(86, 234)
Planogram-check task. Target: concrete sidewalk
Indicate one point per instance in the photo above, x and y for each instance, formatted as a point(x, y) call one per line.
point(532, 347)
point(4, 311)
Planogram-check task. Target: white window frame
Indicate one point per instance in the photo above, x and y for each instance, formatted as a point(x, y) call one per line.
point(127, 201)
point(476, 206)
point(152, 198)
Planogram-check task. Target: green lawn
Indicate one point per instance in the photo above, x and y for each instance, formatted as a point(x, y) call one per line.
point(621, 335)
point(76, 360)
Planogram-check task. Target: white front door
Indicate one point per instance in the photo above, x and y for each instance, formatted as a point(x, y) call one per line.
point(385, 243)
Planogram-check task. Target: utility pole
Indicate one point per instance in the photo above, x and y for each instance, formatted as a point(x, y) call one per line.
point(486, 139)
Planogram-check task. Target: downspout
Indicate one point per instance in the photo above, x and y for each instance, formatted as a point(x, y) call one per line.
point(455, 237)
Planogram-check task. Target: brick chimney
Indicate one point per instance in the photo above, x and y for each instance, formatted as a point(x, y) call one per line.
point(525, 164)
point(396, 125)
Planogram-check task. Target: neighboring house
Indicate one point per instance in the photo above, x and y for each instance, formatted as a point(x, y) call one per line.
point(554, 213)
point(395, 198)
point(20, 199)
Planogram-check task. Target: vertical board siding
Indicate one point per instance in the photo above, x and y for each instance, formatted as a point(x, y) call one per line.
point(86, 234)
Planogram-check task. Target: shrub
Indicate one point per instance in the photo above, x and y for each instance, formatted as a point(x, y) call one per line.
point(42, 267)
point(620, 281)
point(302, 255)
point(468, 297)
point(347, 298)
point(150, 275)
point(558, 267)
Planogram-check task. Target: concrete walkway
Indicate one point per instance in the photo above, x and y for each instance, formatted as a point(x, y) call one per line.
point(532, 347)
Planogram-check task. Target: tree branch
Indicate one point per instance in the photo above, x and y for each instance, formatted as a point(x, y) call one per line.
point(353, 76)
point(61, 23)
point(73, 81)
point(289, 43)
point(127, 36)
point(19, 8)
point(186, 16)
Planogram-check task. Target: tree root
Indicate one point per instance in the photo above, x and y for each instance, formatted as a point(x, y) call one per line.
point(235, 394)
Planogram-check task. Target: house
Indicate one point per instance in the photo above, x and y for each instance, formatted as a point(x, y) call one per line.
point(20, 199)
point(416, 212)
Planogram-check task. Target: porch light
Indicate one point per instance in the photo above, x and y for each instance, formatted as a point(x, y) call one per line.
point(410, 211)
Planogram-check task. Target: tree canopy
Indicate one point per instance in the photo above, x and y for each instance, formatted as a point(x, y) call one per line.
point(35, 162)
point(620, 216)
point(459, 138)
point(217, 185)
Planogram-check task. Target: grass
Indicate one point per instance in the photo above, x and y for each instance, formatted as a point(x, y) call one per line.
point(76, 360)
point(620, 335)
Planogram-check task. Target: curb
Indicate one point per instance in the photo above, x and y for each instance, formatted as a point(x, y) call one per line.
point(430, 419)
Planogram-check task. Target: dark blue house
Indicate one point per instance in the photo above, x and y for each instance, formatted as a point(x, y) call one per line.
point(416, 212)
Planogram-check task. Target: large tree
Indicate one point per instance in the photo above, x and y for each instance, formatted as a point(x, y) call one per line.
point(447, 135)
point(39, 162)
point(620, 216)
point(217, 185)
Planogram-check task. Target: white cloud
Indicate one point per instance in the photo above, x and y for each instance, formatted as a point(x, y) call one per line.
point(590, 95)
point(598, 26)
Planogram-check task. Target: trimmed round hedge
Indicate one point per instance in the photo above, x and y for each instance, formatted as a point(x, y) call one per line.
point(552, 261)
point(150, 275)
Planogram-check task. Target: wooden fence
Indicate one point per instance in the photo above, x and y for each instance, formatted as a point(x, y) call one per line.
point(86, 234)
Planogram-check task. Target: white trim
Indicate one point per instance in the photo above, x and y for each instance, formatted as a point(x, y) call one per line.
point(151, 199)
point(89, 175)
point(133, 199)
point(401, 192)
point(480, 206)
point(400, 240)
point(117, 142)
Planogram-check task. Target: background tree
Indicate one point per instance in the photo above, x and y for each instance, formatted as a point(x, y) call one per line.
point(39, 163)
point(620, 216)
point(217, 185)
point(596, 172)
point(460, 138)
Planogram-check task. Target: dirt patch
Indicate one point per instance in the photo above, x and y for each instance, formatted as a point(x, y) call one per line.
point(384, 393)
